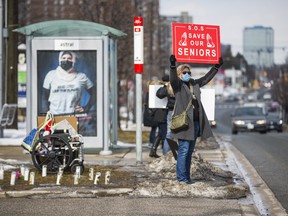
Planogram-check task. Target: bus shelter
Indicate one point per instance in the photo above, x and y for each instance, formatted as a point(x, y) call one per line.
point(86, 89)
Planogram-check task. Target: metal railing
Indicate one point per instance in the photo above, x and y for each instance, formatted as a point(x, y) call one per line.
point(7, 114)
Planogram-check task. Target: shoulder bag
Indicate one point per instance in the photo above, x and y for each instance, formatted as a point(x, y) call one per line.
point(180, 122)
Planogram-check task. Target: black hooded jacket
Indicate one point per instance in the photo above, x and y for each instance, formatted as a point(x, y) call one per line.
point(162, 93)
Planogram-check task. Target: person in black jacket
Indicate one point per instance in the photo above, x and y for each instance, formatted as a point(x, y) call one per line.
point(149, 116)
point(167, 91)
point(161, 118)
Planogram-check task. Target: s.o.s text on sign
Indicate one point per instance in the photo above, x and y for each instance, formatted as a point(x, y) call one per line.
point(196, 43)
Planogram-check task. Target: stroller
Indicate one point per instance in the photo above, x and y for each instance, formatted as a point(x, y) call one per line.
point(56, 145)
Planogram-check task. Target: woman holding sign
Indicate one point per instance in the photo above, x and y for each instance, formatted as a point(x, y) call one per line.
point(187, 96)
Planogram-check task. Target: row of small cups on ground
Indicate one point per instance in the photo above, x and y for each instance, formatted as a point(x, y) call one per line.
point(98, 175)
point(77, 175)
point(31, 175)
point(24, 171)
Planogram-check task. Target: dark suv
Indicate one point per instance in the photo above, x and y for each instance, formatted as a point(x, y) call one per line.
point(274, 117)
point(249, 117)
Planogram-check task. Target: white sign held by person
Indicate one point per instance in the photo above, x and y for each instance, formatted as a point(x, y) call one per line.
point(208, 102)
point(154, 101)
point(207, 99)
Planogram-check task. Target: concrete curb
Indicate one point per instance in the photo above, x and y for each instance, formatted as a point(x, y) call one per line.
point(77, 193)
point(263, 197)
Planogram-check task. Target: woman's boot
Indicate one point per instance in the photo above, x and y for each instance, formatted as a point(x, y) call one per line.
point(154, 148)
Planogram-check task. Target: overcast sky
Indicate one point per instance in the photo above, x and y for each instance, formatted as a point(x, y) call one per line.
point(233, 16)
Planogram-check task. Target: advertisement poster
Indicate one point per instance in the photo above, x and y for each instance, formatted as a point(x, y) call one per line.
point(196, 43)
point(67, 86)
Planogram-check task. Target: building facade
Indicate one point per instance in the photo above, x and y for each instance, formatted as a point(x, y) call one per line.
point(258, 46)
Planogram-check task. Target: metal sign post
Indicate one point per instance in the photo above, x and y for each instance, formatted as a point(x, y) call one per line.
point(138, 69)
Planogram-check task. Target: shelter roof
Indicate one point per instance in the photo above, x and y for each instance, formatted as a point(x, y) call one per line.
point(68, 28)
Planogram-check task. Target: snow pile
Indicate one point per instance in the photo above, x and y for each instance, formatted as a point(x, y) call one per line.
point(209, 181)
point(165, 166)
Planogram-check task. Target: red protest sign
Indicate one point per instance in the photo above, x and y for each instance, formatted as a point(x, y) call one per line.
point(196, 43)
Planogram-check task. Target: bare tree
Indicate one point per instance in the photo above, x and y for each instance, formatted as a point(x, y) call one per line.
point(280, 88)
point(120, 15)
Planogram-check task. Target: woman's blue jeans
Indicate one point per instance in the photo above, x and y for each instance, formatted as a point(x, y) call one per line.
point(166, 147)
point(184, 158)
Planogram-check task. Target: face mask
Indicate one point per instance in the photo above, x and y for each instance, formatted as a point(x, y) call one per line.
point(186, 77)
point(66, 65)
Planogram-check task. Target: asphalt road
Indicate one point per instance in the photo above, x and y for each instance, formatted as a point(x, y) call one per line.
point(120, 206)
point(266, 152)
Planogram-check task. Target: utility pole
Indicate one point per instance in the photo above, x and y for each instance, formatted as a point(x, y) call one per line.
point(12, 55)
point(8, 50)
point(1, 60)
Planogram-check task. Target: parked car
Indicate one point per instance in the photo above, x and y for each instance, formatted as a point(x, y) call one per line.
point(249, 117)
